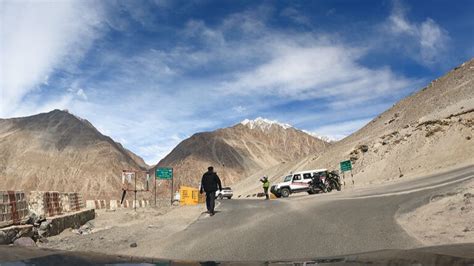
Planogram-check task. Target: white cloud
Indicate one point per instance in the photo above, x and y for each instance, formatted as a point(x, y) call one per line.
point(432, 40)
point(340, 130)
point(81, 94)
point(37, 38)
point(429, 38)
point(239, 109)
point(316, 70)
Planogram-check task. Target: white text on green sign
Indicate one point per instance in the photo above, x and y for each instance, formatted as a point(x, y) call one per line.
point(164, 173)
point(346, 165)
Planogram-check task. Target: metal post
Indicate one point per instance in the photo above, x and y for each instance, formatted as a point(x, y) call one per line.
point(172, 183)
point(352, 178)
point(155, 191)
point(344, 178)
point(135, 202)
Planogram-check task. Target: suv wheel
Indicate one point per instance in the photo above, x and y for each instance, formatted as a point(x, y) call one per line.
point(220, 196)
point(285, 192)
point(229, 197)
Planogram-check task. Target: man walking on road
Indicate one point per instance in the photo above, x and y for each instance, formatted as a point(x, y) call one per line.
point(266, 185)
point(210, 183)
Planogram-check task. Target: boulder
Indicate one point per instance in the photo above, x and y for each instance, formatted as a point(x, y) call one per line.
point(24, 242)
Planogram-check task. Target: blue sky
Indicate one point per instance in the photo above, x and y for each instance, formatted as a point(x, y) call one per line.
point(151, 73)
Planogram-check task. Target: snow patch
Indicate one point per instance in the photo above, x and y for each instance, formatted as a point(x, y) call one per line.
point(263, 123)
point(325, 138)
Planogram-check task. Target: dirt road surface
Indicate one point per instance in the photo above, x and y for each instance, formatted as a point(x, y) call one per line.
point(351, 221)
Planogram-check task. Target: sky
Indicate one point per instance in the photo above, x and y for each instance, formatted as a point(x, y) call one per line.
point(152, 73)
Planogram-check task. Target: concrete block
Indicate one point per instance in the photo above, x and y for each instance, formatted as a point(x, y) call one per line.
point(13, 208)
point(114, 204)
point(90, 204)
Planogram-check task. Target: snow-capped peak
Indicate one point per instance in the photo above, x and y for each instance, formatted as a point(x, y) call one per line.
point(325, 138)
point(263, 123)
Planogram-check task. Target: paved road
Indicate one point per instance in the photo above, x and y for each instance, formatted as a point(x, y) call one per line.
point(347, 222)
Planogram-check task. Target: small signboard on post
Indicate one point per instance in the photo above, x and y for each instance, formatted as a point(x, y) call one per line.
point(346, 165)
point(164, 173)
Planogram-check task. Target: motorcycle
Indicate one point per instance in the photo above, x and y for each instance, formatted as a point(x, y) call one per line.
point(324, 182)
point(318, 184)
point(334, 181)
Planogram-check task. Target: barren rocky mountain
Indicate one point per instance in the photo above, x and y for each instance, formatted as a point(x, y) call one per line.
point(59, 151)
point(425, 132)
point(240, 150)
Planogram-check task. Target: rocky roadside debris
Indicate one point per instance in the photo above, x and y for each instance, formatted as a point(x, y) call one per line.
point(86, 229)
point(37, 228)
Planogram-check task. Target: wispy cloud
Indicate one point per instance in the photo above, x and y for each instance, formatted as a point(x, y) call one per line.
point(39, 38)
point(429, 40)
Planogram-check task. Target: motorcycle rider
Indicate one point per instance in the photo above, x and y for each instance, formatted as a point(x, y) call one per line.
point(319, 180)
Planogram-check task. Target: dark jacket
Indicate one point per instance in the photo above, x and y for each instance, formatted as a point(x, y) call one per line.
point(210, 181)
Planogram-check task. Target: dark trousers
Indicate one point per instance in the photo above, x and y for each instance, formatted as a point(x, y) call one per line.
point(265, 189)
point(210, 201)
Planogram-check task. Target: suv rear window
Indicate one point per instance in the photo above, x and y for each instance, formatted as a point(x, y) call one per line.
point(226, 188)
point(307, 176)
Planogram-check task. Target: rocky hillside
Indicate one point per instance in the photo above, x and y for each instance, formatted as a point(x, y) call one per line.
point(59, 151)
point(429, 131)
point(240, 150)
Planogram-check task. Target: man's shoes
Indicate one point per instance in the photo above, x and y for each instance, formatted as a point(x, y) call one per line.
point(211, 214)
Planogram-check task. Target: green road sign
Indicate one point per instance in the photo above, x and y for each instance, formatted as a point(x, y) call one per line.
point(346, 165)
point(164, 173)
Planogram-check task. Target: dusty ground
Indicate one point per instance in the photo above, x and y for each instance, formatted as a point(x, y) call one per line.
point(114, 231)
point(447, 218)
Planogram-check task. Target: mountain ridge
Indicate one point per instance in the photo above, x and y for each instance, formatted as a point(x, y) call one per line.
point(239, 149)
point(60, 151)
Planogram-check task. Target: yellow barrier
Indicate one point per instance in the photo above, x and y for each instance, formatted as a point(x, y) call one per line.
point(190, 196)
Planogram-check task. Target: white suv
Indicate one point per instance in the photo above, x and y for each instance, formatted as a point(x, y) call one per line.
point(294, 183)
point(226, 192)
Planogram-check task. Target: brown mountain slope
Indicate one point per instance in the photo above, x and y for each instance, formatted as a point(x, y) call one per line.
point(426, 132)
point(238, 151)
point(59, 151)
